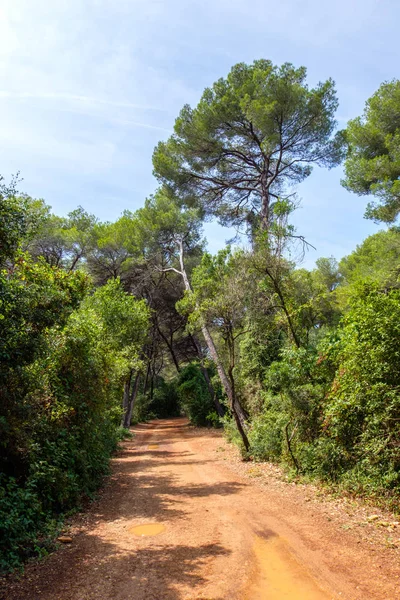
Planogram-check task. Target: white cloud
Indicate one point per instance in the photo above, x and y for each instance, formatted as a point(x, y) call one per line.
point(46, 147)
point(75, 98)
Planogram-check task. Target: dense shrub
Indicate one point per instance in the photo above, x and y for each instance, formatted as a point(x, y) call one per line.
point(141, 411)
point(266, 435)
point(334, 410)
point(291, 415)
point(165, 401)
point(194, 396)
point(61, 412)
point(162, 402)
point(34, 298)
point(20, 518)
point(362, 412)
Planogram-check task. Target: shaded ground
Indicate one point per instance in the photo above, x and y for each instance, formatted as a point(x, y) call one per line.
point(232, 531)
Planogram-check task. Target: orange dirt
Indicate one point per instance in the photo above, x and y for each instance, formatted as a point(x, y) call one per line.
point(215, 534)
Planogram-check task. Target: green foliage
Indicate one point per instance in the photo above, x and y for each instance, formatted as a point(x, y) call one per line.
point(376, 259)
point(159, 403)
point(313, 299)
point(218, 285)
point(125, 321)
point(373, 162)
point(63, 361)
point(165, 402)
point(113, 250)
point(33, 297)
point(163, 220)
point(141, 411)
point(291, 415)
point(25, 530)
point(260, 345)
point(194, 396)
point(231, 432)
point(13, 223)
point(362, 411)
point(267, 430)
point(259, 115)
point(62, 241)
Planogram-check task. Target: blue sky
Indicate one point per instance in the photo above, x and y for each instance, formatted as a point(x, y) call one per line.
point(88, 87)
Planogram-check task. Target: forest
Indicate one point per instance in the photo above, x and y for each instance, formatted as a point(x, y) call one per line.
point(107, 324)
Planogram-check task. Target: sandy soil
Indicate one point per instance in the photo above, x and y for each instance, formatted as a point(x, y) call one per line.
point(224, 530)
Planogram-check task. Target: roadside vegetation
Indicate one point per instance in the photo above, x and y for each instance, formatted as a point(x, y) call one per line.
point(107, 324)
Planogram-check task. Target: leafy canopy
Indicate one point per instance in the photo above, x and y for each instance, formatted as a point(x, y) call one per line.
point(373, 162)
point(252, 137)
point(376, 259)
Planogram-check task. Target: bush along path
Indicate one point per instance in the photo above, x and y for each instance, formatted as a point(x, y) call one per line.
point(182, 517)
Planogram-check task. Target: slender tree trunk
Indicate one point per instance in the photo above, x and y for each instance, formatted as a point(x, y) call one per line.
point(75, 262)
point(239, 418)
point(229, 390)
point(146, 381)
point(265, 204)
point(237, 409)
point(152, 385)
point(171, 349)
point(278, 290)
point(218, 406)
point(131, 403)
point(265, 226)
point(125, 405)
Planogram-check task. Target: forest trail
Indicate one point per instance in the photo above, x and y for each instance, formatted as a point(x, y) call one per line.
point(217, 535)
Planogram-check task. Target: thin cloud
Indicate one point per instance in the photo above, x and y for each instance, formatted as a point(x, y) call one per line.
point(77, 98)
point(139, 124)
point(126, 122)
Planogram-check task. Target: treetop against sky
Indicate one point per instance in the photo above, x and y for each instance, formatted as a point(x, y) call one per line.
point(88, 89)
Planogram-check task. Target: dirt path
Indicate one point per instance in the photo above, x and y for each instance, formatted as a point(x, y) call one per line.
point(222, 535)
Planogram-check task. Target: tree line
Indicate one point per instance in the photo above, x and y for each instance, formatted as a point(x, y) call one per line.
point(106, 324)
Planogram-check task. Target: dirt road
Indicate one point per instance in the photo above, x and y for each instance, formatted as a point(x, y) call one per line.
point(215, 534)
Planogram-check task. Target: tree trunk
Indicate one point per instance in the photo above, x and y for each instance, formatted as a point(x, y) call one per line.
point(236, 407)
point(146, 381)
point(265, 226)
point(125, 403)
point(278, 290)
point(131, 403)
point(218, 406)
point(265, 204)
point(75, 262)
point(229, 390)
point(171, 349)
